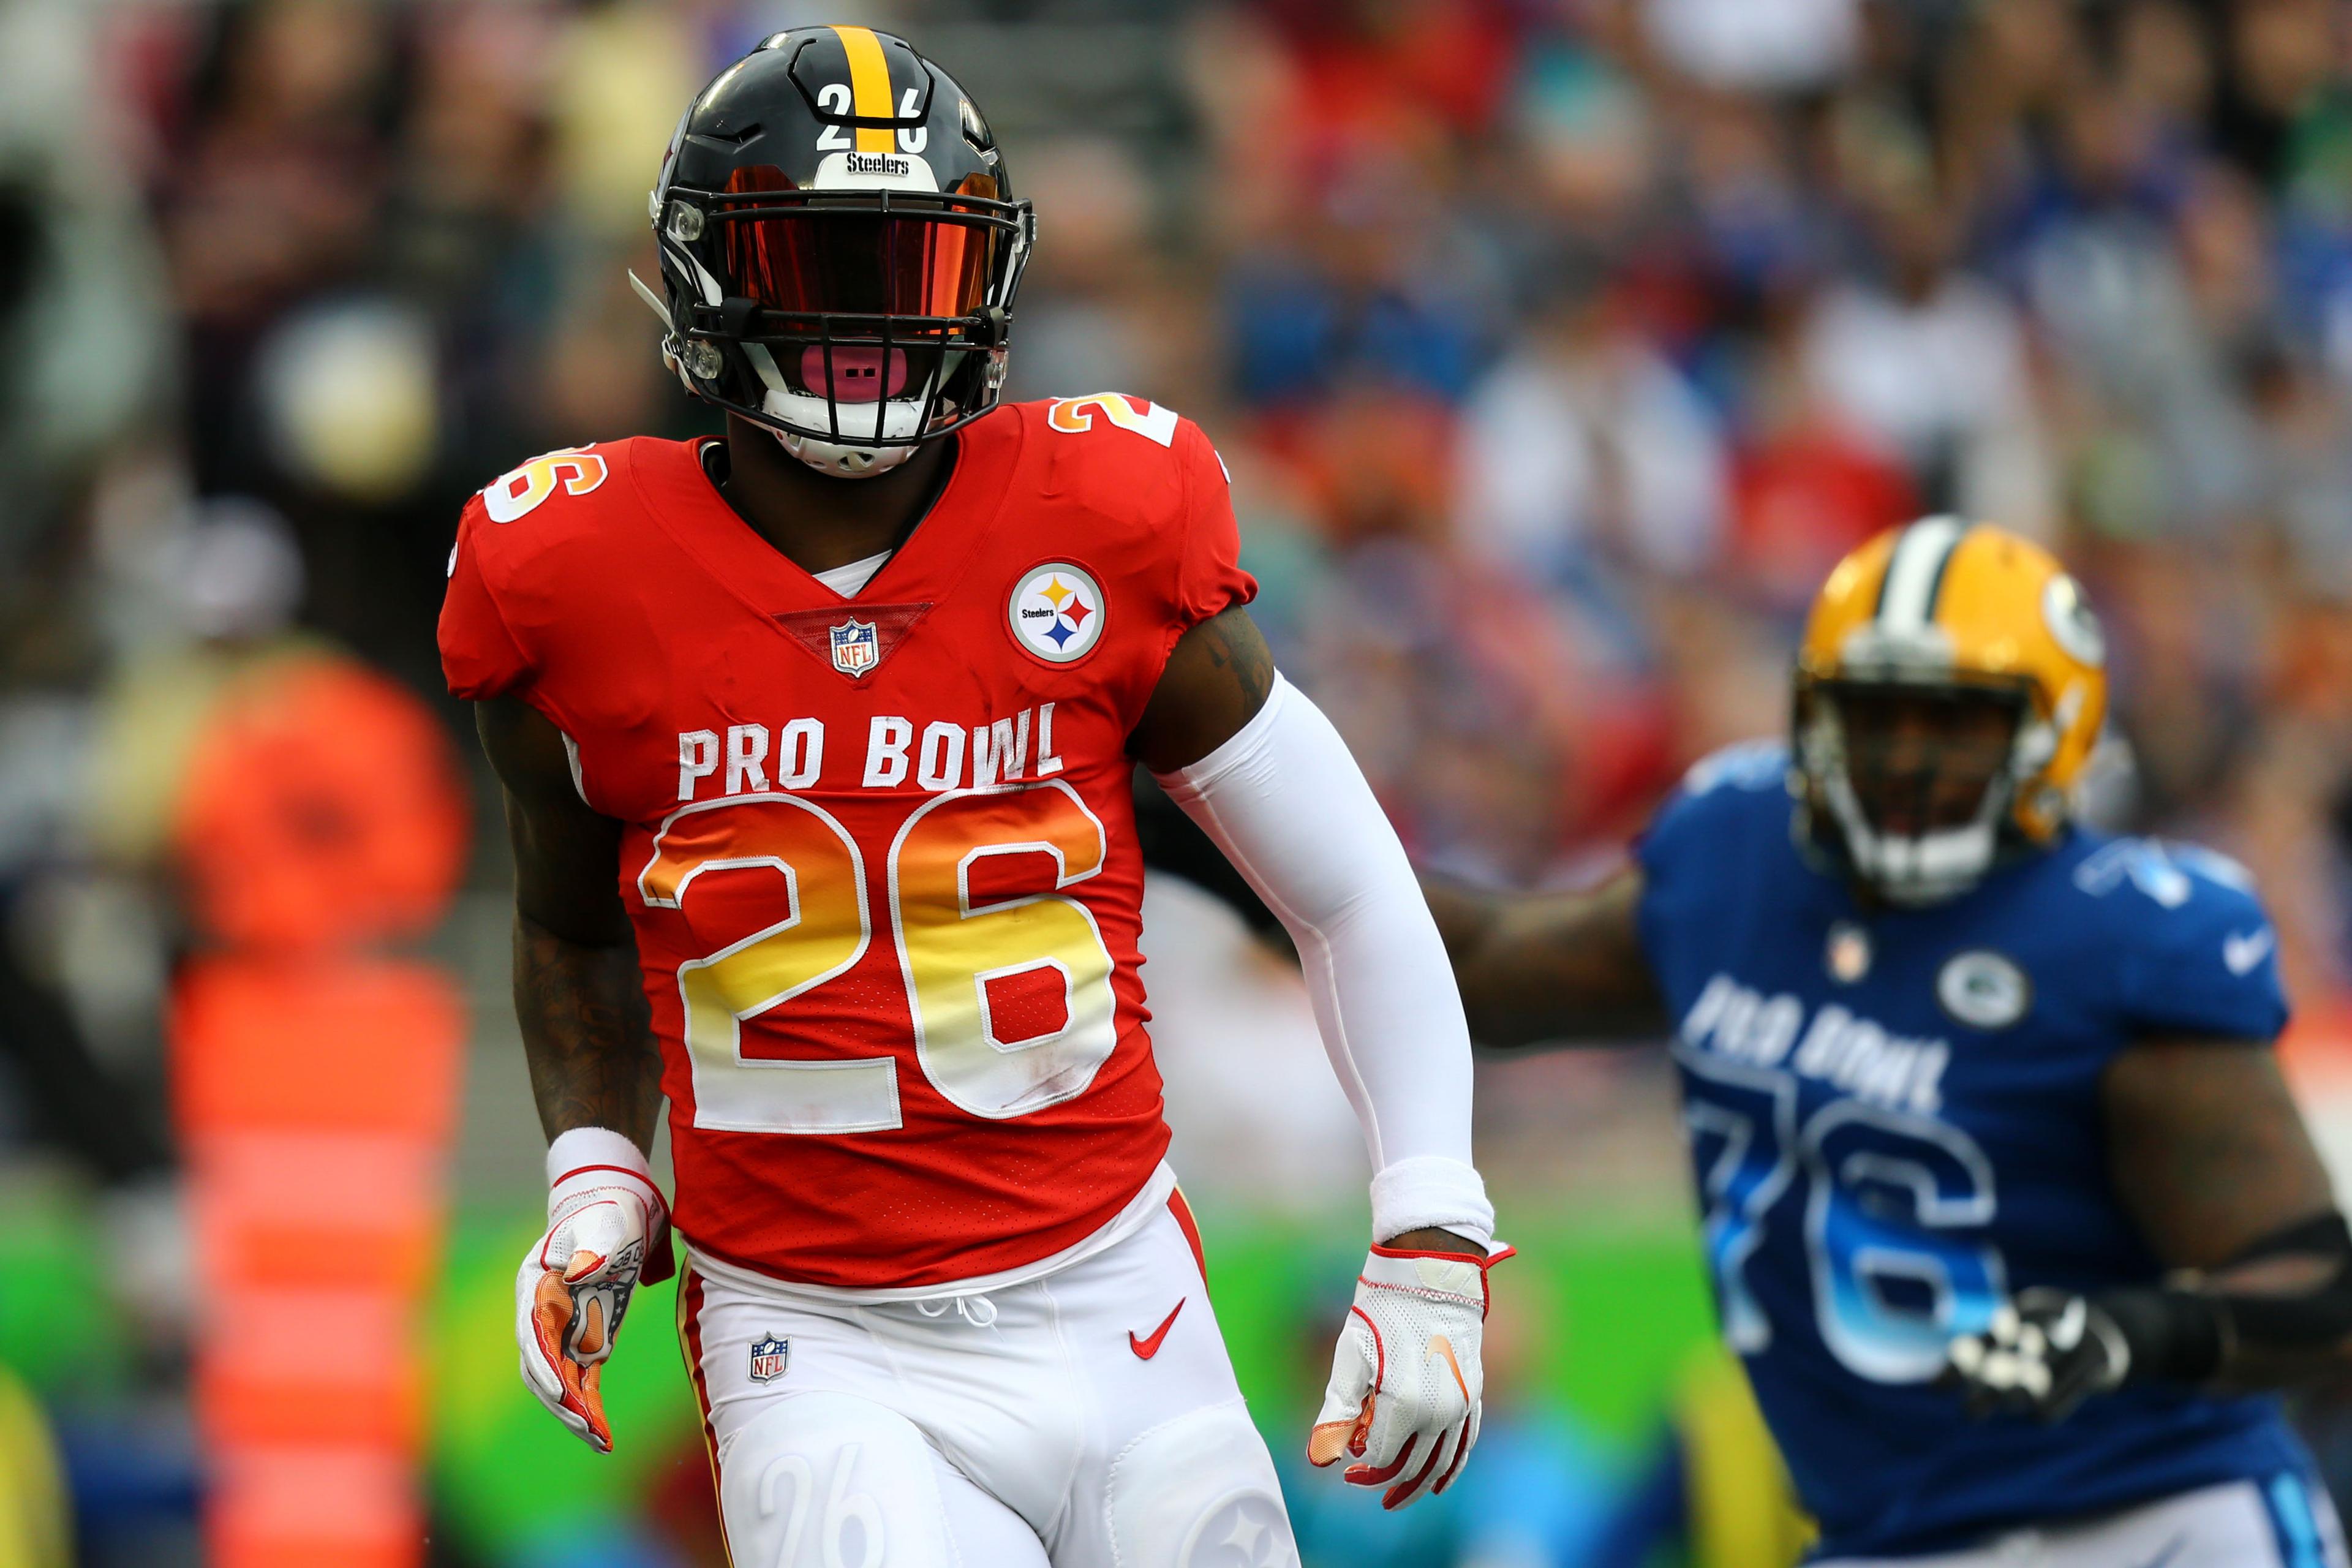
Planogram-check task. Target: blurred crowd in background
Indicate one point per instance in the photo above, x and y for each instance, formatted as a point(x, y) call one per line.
point(1555, 347)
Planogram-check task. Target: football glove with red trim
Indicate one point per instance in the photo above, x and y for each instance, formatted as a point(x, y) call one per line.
point(607, 1232)
point(1406, 1381)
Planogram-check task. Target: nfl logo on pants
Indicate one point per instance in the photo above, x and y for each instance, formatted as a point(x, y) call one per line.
point(855, 648)
point(768, 1358)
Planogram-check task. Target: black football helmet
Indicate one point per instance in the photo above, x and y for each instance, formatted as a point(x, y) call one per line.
point(839, 248)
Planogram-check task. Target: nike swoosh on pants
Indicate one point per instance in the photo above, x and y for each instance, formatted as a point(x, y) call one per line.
point(1146, 1348)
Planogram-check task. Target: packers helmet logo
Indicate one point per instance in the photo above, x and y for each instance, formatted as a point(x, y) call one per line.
point(2072, 625)
point(1056, 612)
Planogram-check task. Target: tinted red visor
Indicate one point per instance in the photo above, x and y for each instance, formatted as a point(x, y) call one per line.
point(816, 260)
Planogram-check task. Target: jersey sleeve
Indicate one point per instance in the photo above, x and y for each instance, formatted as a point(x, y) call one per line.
point(1209, 575)
point(2205, 960)
point(1688, 839)
point(479, 656)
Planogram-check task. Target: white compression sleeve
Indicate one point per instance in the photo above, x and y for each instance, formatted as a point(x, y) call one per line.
point(1285, 802)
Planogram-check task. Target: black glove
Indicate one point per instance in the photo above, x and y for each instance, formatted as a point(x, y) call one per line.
point(2044, 1353)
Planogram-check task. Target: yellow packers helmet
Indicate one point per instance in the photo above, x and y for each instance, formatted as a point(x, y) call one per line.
point(1945, 609)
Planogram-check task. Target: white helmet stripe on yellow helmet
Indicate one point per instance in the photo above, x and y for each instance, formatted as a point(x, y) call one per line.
point(1915, 574)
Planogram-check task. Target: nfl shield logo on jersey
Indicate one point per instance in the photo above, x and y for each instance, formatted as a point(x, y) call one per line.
point(768, 1358)
point(855, 647)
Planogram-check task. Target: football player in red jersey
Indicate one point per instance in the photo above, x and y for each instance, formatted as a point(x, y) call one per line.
point(817, 743)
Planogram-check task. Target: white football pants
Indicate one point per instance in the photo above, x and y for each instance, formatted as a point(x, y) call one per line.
point(1085, 1419)
point(2284, 1524)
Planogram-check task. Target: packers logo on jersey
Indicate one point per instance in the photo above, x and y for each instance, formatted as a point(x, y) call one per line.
point(1983, 989)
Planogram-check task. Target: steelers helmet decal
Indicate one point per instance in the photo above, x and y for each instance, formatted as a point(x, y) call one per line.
point(1985, 634)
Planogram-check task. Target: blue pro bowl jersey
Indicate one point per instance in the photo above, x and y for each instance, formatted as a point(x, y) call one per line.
point(1894, 1118)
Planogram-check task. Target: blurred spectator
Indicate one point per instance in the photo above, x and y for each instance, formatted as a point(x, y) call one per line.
point(1783, 48)
point(1586, 441)
point(84, 355)
point(1102, 296)
point(1543, 1493)
point(1805, 486)
point(1257, 1115)
point(1933, 362)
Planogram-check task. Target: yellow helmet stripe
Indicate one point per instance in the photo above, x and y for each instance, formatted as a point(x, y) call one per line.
point(1915, 572)
point(870, 87)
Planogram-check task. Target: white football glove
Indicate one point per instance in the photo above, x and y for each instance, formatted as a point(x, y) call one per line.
point(1406, 1381)
point(607, 1231)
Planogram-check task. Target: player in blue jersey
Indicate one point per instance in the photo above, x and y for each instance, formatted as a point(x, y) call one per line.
point(2007, 1207)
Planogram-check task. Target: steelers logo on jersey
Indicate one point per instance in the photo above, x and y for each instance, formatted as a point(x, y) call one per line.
point(1056, 612)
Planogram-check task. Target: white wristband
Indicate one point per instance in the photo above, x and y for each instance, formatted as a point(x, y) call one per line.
point(595, 1157)
point(1431, 1190)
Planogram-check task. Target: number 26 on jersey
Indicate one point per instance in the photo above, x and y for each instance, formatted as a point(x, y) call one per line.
point(963, 959)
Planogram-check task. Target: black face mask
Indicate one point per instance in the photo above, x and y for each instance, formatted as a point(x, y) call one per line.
point(839, 261)
point(1920, 758)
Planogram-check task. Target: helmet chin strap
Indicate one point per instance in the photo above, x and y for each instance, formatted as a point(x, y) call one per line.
point(897, 417)
point(840, 461)
point(1921, 867)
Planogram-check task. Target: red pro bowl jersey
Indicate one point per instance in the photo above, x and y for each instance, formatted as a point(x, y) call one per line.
point(880, 851)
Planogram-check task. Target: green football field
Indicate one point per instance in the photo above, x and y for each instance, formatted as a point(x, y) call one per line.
point(1597, 1319)
point(1605, 1319)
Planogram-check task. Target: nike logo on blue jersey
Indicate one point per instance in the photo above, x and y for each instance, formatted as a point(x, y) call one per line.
point(2244, 949)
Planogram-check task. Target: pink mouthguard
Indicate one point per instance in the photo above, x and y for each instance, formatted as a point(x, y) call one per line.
point(856, 373)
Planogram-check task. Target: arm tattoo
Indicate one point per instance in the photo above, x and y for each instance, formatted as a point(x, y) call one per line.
point(1218, 675)
point(1245, 659)
point(587, 1033)
point(587, 1030)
